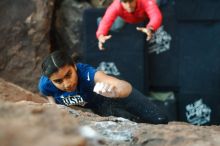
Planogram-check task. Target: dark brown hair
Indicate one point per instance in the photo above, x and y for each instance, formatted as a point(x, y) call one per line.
point(54, 61)
point(126, 0)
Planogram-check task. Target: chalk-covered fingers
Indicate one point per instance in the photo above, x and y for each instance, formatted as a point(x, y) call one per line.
point(105, 89)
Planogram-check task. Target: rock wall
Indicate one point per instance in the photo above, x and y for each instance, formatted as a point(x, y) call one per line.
point(67, 26)
point(27, 123)
point(30, 29)
point(24, 39)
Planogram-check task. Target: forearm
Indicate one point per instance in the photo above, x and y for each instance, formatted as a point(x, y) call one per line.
point(111, 87)
point(103, 29)
point(155, 22)
point(123, 89)
point(154, 14)
point(107, 21)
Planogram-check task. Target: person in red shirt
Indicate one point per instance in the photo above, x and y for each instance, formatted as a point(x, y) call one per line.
point(131, 11)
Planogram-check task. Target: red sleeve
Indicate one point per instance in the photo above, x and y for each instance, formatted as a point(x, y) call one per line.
point(154, 14)
point(108, 19)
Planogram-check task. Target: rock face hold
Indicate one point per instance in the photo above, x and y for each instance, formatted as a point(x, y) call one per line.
point(67, 25)
point(24, 39)
point(14, 93)
point(40, 124)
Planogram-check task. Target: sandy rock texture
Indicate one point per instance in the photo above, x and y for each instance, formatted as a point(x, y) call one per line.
point(24, 123)
point(14, 93)
point(24, 39)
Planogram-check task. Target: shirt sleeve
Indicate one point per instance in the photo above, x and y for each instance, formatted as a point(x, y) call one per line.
point(108, 19)
point(154, 14)
point(87, 74)
point(42, 86)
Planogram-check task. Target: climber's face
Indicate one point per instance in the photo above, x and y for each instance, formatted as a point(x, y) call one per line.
point(129, 5)
point(65, 78)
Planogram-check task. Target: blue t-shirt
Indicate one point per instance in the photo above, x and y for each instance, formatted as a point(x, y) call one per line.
point(84, 91)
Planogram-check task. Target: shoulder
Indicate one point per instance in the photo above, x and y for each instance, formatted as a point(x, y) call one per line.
point(45, 86)
point(84, 69)
point(43, 82)
point(115, 5)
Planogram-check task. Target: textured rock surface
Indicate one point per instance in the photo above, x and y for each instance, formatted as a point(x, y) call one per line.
point(24, 39)
point(26, 123)
point(14, 93)
point(68, 25)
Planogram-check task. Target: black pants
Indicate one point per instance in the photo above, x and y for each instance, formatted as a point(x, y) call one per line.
point(135, 107)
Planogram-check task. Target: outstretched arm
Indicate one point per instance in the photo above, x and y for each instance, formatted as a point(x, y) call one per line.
point(109, 86)
point(105, 25)
point(155, 18)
